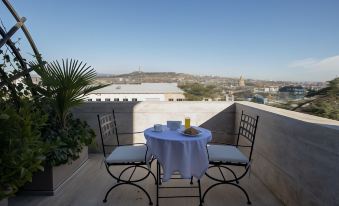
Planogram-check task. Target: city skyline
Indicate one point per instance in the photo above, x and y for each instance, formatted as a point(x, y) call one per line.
point(292, 41)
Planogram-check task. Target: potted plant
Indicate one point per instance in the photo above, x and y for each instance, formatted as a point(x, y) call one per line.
point(63, 86)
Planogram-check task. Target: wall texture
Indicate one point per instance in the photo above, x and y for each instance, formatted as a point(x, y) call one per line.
point(137, 116)
point(295, 155)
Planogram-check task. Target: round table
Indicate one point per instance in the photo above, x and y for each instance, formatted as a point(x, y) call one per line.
point(179, 153)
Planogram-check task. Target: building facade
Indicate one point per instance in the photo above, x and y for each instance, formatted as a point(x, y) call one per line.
point(293, 90)
point(138, 92)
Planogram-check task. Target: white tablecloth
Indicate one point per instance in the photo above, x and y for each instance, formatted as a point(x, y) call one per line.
point(177, 152)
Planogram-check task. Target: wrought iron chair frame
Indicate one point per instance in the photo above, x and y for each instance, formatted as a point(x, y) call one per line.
point(134, 165)
point(247, 129)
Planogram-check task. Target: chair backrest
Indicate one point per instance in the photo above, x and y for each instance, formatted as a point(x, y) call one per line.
point(108, 129)
point(247, 129)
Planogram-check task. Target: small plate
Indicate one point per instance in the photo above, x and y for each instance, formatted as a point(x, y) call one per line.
point(181, 131)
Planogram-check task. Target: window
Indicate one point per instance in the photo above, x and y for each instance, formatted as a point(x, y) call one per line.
point(107, 100)
point(125, 99)
point(171, 99)
point(98, 100)
point(180, 100)
point(116, 99)
point(134, 99)
point(89, 100)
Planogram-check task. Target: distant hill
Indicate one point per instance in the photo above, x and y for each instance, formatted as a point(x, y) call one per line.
point(169, 77)
point(182, 78)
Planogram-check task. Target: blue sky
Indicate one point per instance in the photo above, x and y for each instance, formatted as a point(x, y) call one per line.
point(271, 40)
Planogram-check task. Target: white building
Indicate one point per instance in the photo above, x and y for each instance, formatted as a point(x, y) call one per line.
point(271, 89)
point(138, 92)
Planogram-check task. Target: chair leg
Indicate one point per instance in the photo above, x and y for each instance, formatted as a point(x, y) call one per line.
point(155, 179)
point(128, 183)
point(150, 170)
point(200, 201)
point(229, 183)
point(158, 182)
point(159, 173)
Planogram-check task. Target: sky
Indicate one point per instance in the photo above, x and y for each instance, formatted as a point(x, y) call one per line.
point(268, 40)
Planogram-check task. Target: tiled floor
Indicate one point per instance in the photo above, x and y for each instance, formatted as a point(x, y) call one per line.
point(90, 184)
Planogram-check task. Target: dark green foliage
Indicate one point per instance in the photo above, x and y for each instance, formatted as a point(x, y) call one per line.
point(326, 108)
point(66, 143)
point(38, 127)
point(331, 90)
point(21, 148)
point(197, 92)
point(323, 103)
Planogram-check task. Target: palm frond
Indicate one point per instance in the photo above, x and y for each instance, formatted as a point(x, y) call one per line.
point(68, 83)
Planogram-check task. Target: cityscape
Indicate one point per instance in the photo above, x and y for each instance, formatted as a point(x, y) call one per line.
point(240, 88)
point(284, 94)
point(169, 103)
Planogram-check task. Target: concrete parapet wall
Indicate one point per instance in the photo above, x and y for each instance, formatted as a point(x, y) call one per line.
point(295, 155)
point(137, 116)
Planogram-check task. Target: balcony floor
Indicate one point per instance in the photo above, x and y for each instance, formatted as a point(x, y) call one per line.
point(90, 184)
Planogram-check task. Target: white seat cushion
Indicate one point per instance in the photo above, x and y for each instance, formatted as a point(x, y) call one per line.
point(127, 154)
point(226, 154)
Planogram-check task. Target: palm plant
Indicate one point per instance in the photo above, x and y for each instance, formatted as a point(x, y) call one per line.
point(66, 85)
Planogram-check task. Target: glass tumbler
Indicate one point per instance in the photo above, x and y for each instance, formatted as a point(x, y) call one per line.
point(187, 122)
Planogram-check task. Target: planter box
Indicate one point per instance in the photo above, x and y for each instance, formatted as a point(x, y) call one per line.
point(51, 179)
point(4, 202)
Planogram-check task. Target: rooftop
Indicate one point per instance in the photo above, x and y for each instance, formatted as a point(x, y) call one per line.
point(143, 88)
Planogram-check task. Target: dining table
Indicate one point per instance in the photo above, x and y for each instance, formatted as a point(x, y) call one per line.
point(178, 153)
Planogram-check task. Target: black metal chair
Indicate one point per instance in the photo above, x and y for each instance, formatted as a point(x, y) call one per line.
point(223, 157)
point(131, 155)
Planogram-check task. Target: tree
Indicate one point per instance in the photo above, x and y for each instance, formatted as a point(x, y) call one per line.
point(197, 92)
point(324, 103)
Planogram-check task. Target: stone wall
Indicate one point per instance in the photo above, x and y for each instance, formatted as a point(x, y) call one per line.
point(137, 116)
point(295, 155)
